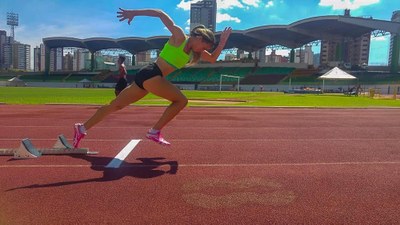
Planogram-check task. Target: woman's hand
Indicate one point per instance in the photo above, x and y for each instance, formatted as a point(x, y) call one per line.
point(212, 57)
point(126, 14)
point(225, 35)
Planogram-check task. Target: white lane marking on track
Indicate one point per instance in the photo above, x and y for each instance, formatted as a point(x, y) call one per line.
point(118, 159)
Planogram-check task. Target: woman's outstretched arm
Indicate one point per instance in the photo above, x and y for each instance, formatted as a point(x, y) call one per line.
point(125, 14)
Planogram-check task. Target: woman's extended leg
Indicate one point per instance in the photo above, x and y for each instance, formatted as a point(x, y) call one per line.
point(129, 95)
point(163, 88)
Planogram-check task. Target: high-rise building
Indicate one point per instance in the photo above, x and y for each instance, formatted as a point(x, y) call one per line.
point(359, 54)
point(143, 58)
point(8, 52)
point(305, 55)
point(394, 51)
point(7, 56)
point(205, 13)
point(240, 54)
point(3, 39)
point(79, 59)
point(27, 55)
point(230, 57)
point(39, 58)
point(36, 59)
point(260, 55)
point(56, 59)
point(274, 58)
point(42, 57)
point(17, 56)
point(316, 60)
point(348, 51)
point(68, 62)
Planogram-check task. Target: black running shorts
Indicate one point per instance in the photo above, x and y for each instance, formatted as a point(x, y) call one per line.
point(146, 73)
point(121, 84)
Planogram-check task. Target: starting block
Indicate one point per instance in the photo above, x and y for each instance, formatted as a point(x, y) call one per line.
point(61, 147)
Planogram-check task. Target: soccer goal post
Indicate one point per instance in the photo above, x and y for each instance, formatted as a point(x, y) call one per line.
point(230, 76)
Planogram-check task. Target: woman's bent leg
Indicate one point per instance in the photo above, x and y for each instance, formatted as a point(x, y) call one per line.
point(165, 89)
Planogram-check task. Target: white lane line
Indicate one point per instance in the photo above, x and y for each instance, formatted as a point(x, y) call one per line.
point(117, 161)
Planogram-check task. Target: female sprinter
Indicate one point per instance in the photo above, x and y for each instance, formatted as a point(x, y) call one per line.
point(177, 52)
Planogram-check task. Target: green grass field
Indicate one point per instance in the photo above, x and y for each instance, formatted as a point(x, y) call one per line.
point(27, 95)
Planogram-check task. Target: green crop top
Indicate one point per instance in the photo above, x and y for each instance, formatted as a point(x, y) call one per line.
point(175, 56)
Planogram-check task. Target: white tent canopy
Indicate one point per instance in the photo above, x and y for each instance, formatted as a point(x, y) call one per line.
point(85, 81)
point(15, 82)
point(335, 74)
point(15, 79)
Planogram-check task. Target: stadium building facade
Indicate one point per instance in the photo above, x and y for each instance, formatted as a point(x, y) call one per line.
point(345, 40)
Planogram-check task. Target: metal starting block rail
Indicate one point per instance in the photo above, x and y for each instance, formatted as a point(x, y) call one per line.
point(61, 147)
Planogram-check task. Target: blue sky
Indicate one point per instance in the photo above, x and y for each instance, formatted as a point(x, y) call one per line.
point(97, 18)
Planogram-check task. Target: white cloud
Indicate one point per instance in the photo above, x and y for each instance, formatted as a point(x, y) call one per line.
point(229, 4)
point(254, 3)
point(269, 4)
point(185, 5)
point(221, 17)
point(221, 4)
point(346, 4)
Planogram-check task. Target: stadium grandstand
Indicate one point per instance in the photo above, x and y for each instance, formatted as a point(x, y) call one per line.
point(252, 70)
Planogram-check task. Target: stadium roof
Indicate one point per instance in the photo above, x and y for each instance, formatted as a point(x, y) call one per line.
point(293, 35)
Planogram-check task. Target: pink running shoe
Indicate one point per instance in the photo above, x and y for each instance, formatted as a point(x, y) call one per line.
point(80, 132)
point(156, 137)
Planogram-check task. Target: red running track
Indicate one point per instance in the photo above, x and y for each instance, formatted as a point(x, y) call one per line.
point(225, 166)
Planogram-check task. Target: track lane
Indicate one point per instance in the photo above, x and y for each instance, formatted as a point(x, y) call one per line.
point(226, 166)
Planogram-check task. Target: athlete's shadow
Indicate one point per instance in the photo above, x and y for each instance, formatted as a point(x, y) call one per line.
point(146, 168)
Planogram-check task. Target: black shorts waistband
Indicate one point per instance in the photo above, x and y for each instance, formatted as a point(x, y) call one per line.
point(146, 73)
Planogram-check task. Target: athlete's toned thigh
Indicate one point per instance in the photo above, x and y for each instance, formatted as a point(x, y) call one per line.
point(163, 88)
point(129, 95)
